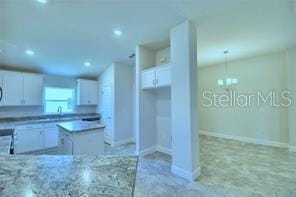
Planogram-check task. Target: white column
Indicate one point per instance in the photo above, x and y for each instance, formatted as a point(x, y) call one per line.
point(291, 71)
point(185, 134)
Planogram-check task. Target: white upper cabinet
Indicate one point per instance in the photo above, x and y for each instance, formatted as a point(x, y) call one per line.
point(21, 89)
point(159, 76)
point(163, 76)
point(87, 92)
point(33, 89)
point(12, 88)
point(148, 78)
point(93, 94)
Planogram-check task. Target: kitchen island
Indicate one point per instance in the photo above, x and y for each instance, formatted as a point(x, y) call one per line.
point(4, 145)
point(81, 138)
point(67, 175)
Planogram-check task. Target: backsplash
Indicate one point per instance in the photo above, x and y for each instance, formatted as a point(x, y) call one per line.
point(20, 111)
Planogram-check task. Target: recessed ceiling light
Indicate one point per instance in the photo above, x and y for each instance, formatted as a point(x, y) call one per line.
point(87, 64)
point(30, 52)
point(42, 1)
point(117, 32)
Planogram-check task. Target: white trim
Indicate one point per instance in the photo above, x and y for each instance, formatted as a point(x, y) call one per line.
point(153, 149)
point(122, 142)
point(108, 141)
point(245, 139)
point(191, 176)
point(146, 151)
point(164, 150)
point(41, 151)
point(292, 148)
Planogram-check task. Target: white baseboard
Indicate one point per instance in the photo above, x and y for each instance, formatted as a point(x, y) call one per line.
point(146, 151)
point(122, 142)
point(292, 148)
point(245, 139)
point(40, 152)
point(108, 141)
point(153, 149)
point(191, 176)
point(164, 150)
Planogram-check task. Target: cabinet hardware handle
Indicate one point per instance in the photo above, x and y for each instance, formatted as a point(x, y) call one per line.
point(1, 93)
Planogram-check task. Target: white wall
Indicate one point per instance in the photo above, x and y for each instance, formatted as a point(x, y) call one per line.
point(124, 108)
point(163, 53)
point(146, 137)
point(263, 123)
point(50, 81)
point(163, 118)
point(163, 107)
point(291, 74)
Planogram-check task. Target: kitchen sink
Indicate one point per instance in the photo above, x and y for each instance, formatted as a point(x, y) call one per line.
point(91, 119)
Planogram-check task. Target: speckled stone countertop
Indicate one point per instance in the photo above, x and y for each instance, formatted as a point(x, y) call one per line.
point(4, 145)
point(79, 126)
point(67, 175)
point(7, 123)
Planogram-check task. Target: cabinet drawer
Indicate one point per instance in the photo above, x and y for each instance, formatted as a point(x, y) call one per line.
point(19, 128)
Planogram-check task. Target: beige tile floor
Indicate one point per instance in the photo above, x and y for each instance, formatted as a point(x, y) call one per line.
point(228, 168)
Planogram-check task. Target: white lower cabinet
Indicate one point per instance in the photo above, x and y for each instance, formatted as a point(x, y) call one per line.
point(29, 140)
point(51, 135)
point(65, 145)
point(36, 137)
point(81, 143)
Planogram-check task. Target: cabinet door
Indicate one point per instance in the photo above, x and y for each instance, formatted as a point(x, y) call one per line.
point(106, 108)
point(1, 88)
point(93, 93)
point(65, 146)
point(163, 76)
point(87, 92)
point(33, 89)
point(29, 140)
point(51, 135)
point(82, 92)
point(148, 79)
point(12, 88)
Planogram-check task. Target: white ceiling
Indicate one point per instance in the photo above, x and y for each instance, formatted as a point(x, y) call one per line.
point(65, 33)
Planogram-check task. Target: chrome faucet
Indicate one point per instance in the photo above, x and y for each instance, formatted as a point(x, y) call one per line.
point(60, 110)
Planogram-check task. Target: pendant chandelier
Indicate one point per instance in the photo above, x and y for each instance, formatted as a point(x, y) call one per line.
point(228, 82)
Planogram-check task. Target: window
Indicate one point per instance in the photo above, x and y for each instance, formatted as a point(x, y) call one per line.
point(59, 97)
